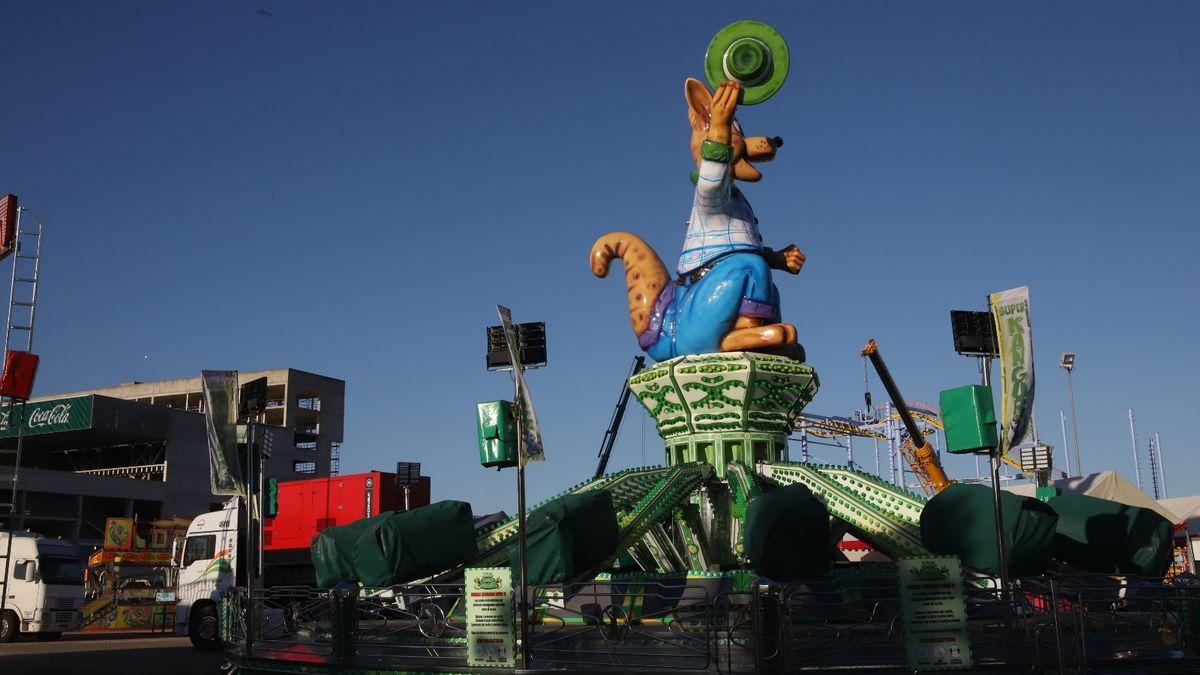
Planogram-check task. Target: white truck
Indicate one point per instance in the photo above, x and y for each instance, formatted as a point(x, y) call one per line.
point(208, 564)
point(44, 588)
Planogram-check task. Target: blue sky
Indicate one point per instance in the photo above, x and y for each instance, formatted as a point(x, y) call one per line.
point(350, 188)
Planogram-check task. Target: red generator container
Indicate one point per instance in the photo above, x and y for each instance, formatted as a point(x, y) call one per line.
point(306, 507)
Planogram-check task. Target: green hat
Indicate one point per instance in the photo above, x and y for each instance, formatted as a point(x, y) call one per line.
point(752, 53)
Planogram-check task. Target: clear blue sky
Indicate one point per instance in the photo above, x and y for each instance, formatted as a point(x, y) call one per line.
point(350, 188)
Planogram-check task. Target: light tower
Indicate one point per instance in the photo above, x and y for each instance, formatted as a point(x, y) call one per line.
point(1068, 364)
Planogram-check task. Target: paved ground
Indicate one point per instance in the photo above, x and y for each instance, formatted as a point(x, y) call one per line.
point(79, 653)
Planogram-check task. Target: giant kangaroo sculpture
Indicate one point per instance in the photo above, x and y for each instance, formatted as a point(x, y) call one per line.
point(723, 298)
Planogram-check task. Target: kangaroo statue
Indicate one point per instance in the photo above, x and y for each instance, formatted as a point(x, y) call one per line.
point(723, 298)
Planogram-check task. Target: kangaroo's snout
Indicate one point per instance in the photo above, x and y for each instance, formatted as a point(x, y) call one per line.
point(761, 148)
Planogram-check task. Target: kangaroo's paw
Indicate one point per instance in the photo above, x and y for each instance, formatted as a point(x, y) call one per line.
point(759, 338)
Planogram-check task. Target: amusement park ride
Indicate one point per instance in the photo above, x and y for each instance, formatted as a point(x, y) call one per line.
point(727, 514)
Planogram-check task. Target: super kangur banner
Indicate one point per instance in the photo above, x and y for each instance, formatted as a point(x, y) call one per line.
point(1010, 311)
point(220, 417)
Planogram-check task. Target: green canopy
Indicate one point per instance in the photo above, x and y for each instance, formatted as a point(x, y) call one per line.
point(1099, 535)
point(960, 520)
point(395, 547)
point(568, 537)
point(787, 534)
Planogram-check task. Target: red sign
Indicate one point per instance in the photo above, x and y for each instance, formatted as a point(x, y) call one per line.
point(8, 225)
point(19, 370)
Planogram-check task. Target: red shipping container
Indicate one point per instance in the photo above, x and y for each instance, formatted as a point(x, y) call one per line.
point(305, 507)
point(20, 368)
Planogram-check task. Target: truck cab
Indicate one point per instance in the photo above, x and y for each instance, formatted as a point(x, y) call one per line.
point(44, 587)
point(208, 565)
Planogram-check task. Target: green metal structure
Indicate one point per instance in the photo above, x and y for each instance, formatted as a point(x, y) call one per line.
point(724, 420)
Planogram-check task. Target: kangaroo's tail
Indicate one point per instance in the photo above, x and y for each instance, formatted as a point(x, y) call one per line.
point(645, 273)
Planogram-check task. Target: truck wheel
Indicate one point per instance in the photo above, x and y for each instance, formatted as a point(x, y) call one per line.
point(9, 627)
point(204, 629)
point(48, 637)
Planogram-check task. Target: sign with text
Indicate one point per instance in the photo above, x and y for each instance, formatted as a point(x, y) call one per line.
point(47, 417)
point(1010, 309)
point(490, 634)
point(935, 619)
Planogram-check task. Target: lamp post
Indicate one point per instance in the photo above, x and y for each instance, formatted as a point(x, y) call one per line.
point(1068, 364)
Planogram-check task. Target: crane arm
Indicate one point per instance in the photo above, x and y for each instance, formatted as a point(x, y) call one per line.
point(923, 460)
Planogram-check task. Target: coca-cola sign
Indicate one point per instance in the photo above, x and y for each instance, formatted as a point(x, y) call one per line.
point(44, 417)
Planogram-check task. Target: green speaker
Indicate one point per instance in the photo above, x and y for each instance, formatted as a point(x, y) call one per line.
point(497, 431)
point(969, 417)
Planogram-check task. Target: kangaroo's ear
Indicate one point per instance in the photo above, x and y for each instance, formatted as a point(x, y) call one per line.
point(699, 101)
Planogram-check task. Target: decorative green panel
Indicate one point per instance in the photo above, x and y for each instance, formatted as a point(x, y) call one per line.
point(729, 392)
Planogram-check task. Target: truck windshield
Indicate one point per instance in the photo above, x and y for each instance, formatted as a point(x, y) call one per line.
point(199, 548)
point(60, 570)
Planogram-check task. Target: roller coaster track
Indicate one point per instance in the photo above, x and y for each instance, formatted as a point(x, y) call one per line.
point(881, 514)
point(831, 427)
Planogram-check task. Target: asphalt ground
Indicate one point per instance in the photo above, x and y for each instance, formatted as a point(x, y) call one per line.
point(80, 653)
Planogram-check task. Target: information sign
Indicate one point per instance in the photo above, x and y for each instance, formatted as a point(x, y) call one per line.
point(935, 627)
point(490, 634)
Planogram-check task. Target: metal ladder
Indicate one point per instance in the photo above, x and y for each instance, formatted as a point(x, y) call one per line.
point(22, 306)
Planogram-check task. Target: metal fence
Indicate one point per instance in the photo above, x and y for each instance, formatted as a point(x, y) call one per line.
point(1044, 624)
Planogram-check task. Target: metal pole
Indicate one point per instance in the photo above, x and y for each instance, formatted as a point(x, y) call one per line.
point(12, 508)
point(260, 490)
point(1062, 418)
point(250, 547)
point(1137, 464)
point(1162, 472)
point(850, 451)
point(994, 458)
point(523, 604)
point(1074, 423)
point(407, 505)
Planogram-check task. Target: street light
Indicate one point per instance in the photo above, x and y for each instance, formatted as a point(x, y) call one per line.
point(1068, 364)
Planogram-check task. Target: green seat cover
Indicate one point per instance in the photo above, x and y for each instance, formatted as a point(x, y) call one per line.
point(395, 547)
point(1100, 535)
point(961, 521)
point(568, 538)
point(787, 534)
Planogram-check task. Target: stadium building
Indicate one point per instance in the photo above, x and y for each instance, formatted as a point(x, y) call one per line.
point(140, 449)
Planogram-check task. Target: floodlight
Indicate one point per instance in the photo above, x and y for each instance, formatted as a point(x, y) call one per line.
point(531, 345)
point(973, 333)
point(1068, 361)
point(1036, 458)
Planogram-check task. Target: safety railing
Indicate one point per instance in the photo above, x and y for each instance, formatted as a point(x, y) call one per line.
point(621, 625)
point(1052, 624)
point(418, 626)
point(828, 623)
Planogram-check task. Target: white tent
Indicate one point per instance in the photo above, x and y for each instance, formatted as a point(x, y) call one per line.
point(1186, 510)
point(1105, 485)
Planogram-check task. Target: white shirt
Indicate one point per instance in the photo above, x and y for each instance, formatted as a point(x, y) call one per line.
point(721, 221)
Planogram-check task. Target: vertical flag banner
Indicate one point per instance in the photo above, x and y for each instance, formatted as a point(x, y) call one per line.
point(531, 432)
point(1010, 311)
point(220, 417)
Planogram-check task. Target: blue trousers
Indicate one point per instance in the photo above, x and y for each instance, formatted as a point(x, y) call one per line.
point(692, 319)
